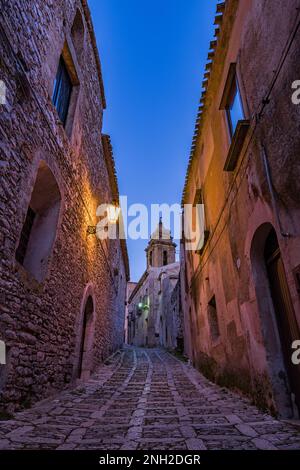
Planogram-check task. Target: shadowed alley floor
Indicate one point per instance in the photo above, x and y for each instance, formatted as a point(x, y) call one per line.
point(146, 399)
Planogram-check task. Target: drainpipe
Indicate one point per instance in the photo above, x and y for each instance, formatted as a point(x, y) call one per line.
point(272, 192)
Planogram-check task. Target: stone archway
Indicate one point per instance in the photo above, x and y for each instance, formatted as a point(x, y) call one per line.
point(85, 355)
point(267, 295)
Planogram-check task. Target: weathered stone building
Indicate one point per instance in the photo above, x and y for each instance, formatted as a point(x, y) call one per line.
point(241, 288)
point(154, 313)
point(62, 290)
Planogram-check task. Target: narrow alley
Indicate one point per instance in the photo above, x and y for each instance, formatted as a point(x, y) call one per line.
point(146, 399)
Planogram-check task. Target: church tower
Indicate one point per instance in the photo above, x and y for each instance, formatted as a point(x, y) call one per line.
point(161, 248)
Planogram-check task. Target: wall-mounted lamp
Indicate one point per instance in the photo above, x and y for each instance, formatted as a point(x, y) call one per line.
point(112, 215)
point(91, 230)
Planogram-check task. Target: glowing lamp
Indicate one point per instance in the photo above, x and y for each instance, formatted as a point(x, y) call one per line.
point(113, 213)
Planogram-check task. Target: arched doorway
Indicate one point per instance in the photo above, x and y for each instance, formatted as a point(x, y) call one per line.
point(284, 311)
point(278, 322)
point(85, 359)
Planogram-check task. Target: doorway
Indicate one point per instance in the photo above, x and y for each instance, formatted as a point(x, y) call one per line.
point(85, 359)
point(288, 329)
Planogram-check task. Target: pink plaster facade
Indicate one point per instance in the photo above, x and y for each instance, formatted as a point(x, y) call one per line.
point(232, 319)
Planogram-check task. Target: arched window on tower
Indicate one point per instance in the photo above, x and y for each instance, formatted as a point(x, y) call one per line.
point(39, 228)
point(165, 258)
point(151, 258)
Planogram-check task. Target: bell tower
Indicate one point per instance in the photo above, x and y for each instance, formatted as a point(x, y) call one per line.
point(161, 249)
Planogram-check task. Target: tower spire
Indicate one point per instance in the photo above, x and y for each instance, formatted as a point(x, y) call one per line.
point(161, 248)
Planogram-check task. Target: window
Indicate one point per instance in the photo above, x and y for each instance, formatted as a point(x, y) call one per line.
point(238, 126)
point(231, 100)
point(62, 91)
point(296, 273)
point(213, 319)
point(165, 258)
point(151, 258)
point(25, 235)
point(77, 34)
point(234, 108)
point(199, 221)
point(39, 228)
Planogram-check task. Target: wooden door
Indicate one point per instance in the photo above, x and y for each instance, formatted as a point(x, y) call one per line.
point(285, 316)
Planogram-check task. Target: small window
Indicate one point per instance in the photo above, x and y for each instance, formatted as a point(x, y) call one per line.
point(234, 108)
point(25, 235)
point(151, 258)
point(62, 91)
point(77, 34)
point(213, 319)
point(199, 218)
point(165, 258)
point(231, 100)
point(40, 225)
point(238, 125)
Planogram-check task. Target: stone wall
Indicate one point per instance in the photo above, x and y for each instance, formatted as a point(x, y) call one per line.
point(42, 322)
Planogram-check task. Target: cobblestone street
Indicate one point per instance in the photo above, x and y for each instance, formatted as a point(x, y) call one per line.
point(146, 399)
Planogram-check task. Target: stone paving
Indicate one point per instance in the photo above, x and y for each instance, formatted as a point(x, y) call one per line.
point(146, 399)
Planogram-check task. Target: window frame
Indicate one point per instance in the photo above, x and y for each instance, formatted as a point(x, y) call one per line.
point(68, 55)
point(25, 235)
point(62, 74)
point(199, 200)
point(232, 82)
point(32, 257)
point(238, 135)
point(213, 323)
point(234, 93)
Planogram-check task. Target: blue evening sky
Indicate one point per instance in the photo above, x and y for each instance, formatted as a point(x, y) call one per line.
point(153, 55)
